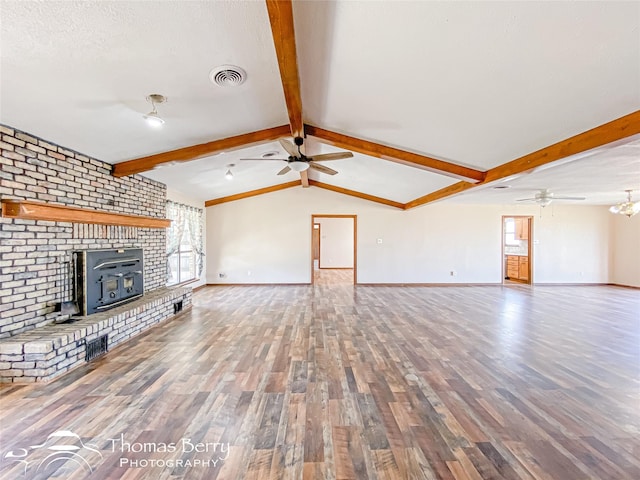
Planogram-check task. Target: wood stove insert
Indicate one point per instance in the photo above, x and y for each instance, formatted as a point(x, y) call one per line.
point(108, 278)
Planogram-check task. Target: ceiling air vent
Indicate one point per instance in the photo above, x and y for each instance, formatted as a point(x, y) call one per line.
point(228, 76)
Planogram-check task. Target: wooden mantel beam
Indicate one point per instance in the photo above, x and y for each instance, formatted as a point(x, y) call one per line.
point(30, 210)
point(194, 152)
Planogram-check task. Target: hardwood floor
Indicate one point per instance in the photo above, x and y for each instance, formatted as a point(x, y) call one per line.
point(336, 382)
point(333, 276)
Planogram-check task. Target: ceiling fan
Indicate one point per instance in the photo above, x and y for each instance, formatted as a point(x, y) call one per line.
point(298, 162)
point(544, 197)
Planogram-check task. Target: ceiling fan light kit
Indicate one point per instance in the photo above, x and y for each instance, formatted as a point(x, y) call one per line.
point(627, 208)
point(298, 161)
point(152, 118)
point(298, 166)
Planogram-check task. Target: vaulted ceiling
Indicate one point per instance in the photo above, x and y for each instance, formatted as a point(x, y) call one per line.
point(433, 98)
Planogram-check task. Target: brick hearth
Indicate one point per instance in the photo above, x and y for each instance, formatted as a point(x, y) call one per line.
point(44, 353)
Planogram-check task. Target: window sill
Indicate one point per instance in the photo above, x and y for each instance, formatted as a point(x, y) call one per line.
point(183, 284)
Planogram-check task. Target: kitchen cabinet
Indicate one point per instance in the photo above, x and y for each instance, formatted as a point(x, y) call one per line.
point(523, 268)
point(522, 228)
point(513, 266)
point(517, 267)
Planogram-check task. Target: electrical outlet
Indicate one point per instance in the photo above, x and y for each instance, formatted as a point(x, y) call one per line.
point(248, 273)
point(222, 275)
point(452, 273)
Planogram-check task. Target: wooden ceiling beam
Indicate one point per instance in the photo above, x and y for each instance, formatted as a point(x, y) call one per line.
point(440, 194)
point(284, 39)
point(194, 152)
point(251, 193)
point(296, 183)
point(395, 155)
point(353, 193)
point(602, 135)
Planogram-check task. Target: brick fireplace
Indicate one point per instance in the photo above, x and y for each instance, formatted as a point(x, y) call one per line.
point(32, 251)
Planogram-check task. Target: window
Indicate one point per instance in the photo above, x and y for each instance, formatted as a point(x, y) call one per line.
point(510, 232)
point(184, 243)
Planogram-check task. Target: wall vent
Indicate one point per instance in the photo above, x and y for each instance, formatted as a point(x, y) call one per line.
point(97, 347)
point(228, 76)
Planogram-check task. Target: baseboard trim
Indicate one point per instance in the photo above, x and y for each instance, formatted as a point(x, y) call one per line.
point(495, 284)
point(572, 284)
point(429, 284)
point(258, 284)
point(632, 287)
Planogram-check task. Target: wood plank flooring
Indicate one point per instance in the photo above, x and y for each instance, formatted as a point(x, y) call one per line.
point(333, 276)
point(343, 382)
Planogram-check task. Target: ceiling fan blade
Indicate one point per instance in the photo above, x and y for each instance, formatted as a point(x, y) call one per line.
point(323, 169)
point(263, 159)
point(289, 147)
point(286, 169)
point(569, 198)
point(331, 156)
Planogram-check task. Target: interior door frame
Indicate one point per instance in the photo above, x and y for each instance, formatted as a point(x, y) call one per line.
point(319, 241)
point(529, 248)
point(315, 216)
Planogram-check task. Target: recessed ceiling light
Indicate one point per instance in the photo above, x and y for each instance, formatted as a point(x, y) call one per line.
point(501, 187)
point(228, 76)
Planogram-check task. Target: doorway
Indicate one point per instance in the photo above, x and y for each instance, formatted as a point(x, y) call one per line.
point(517, 259)
point(333, 249)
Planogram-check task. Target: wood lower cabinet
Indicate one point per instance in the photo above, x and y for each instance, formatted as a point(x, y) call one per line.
point(513, 267)
point(523, 270)
point(517, 267)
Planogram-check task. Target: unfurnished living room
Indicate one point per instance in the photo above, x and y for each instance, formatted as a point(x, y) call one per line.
point(319, 240)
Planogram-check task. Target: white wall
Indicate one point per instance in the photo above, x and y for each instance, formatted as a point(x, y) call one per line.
point(625, 251)
point(267, 239)
point(574, 245)
point(180, 198)
point(336, 242)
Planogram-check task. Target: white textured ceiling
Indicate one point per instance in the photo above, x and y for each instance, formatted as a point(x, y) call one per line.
point(77, 73)
point(476, 83)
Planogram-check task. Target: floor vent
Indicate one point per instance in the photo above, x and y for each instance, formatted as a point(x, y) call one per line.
point(97, 347)
point(177, 307)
